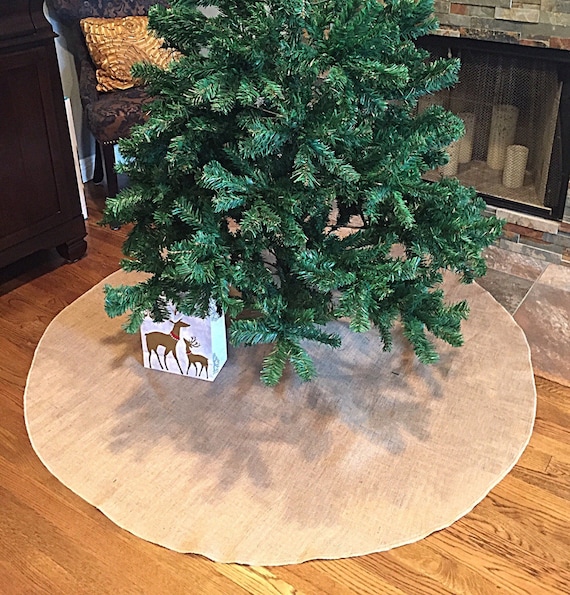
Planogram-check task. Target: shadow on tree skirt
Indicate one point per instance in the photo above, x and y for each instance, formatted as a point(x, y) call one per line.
point(379, 451)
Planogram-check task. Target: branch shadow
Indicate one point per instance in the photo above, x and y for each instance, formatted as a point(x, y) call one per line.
point(232, 426)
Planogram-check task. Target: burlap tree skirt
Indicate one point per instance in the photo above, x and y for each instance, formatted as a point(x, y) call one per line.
point(379, 451)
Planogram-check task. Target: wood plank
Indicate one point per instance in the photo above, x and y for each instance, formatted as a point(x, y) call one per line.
point(19, 585)
point(534, 459)
point(416, 570)
point(354, 577)
point(258, 580)
point(448, 572)
point(504, 532)
point(312, 580)
point(556, 479)
point(493, 562)
point(48, 534)
point(546, 512)
point(558, 449)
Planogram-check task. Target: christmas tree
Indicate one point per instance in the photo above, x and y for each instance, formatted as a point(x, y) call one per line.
point(280, 123)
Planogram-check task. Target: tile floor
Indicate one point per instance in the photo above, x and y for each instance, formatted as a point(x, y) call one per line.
point(537, 294)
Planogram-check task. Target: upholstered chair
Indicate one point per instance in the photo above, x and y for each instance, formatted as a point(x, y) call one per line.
point(111, 114)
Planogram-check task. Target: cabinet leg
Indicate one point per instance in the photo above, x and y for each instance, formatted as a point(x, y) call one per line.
point(72, 250)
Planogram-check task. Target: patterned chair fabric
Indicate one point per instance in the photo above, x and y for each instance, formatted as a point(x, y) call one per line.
point(70, 12)
point(110, 116)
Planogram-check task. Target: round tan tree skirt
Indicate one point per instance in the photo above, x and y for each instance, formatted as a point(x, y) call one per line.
point(379, 451)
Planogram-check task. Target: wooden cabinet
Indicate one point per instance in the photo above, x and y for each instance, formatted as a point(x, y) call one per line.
point(39, 199)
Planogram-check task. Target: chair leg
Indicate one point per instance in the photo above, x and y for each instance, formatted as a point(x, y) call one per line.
point(109, 161)
point(98, 173)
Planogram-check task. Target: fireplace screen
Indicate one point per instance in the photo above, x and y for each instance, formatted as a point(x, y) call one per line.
point(510, 109)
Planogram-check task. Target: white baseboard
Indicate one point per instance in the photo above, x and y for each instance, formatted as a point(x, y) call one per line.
point(87, 167)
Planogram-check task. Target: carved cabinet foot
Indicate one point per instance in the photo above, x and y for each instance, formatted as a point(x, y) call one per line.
point(72, 250)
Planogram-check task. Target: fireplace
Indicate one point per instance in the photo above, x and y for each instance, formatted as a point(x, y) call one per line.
point(515, 103)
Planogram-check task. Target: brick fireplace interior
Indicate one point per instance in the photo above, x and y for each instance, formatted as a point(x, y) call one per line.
point(514, 97)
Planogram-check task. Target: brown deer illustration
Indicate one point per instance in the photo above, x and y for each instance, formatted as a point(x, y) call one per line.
point(194, 358)
point(169, 341)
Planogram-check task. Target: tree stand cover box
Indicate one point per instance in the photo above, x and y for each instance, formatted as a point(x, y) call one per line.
point(185, 345)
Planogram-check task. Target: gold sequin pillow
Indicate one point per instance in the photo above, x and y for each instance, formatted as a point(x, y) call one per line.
point(115, 44)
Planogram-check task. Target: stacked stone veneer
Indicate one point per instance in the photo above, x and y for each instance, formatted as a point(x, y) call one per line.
point(543, 23)
point(533, 236)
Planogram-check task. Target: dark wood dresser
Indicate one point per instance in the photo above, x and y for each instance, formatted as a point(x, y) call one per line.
point(39, 199)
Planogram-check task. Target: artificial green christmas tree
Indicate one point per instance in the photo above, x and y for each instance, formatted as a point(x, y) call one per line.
point(281, 122)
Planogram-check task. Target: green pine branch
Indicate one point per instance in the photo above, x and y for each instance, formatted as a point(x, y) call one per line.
point(277, 125)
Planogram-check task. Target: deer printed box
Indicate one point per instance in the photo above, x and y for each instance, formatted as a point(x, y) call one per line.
point(185, 345)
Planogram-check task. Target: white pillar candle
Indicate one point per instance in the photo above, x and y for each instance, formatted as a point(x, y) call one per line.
point(450, 169)
point(515, 166)
point(503, 129)
point(466, 142)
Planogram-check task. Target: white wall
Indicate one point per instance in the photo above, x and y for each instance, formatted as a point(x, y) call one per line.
point(85, 141)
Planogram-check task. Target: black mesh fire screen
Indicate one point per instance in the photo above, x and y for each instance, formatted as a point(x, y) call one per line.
point(510, 108)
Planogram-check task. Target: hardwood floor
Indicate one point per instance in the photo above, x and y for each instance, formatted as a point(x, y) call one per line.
point(517, 540)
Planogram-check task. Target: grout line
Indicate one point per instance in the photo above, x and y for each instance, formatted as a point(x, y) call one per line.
point(540, 276)
point(523, 299)
point(530, 289)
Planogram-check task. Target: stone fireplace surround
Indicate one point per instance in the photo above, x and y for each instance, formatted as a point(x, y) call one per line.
point(540, 24)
